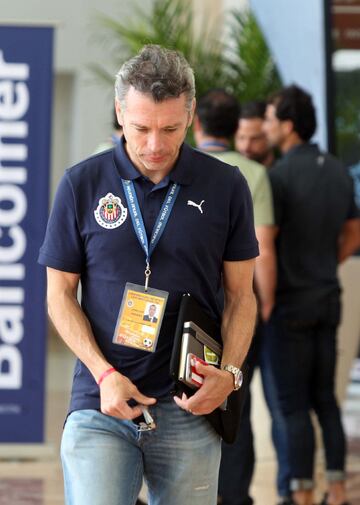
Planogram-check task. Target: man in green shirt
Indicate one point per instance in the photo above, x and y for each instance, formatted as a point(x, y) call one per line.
point(250, 138)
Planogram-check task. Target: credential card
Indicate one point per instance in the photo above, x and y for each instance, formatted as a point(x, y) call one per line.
point(140, 317)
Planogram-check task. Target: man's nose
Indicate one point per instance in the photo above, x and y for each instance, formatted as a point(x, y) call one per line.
point(154, 142)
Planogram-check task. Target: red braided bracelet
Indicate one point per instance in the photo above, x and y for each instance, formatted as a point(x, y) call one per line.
point(105, 374)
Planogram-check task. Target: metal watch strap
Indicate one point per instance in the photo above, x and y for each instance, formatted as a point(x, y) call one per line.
point(236, 373)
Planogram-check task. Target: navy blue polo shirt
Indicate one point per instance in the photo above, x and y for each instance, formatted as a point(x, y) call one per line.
point(102, 247)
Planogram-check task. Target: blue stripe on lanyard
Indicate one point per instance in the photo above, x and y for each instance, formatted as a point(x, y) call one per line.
point(137, 219)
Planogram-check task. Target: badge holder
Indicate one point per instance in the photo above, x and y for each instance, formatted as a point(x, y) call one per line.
point(140, 317)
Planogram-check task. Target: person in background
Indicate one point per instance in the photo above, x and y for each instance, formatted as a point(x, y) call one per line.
point(317, 228)
point(251, 142)
point(215, 123)
point(250, 138)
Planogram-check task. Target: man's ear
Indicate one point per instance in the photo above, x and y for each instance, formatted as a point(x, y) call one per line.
point(118, 112)
point(288, 126)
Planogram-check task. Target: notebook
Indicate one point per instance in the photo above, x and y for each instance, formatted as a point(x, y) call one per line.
point(198, 334)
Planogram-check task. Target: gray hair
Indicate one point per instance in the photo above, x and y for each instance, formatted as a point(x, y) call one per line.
point(159, 72)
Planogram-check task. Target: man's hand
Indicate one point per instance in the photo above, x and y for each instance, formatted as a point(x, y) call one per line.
point(217, 386)
point(115, 391)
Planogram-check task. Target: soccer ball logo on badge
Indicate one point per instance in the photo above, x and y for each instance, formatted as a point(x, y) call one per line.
point(147, 342)
point(110, 212)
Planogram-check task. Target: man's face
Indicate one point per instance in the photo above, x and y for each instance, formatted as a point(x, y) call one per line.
point(152, 310)
point(251, 141)
point(274, 128)
point(154, 131)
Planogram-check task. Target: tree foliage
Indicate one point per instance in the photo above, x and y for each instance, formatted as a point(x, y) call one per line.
point(251, 70)
point(347, 113)
point(242, 64)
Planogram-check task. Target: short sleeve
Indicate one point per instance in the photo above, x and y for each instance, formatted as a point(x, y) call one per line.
point(62, 248)
point(241, 243)
point(263, 202)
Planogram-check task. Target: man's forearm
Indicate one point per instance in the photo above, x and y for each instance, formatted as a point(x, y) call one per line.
point(349, 241)
point(238, 328)
point(265, 270)
point(265, 283)
point(74, 328)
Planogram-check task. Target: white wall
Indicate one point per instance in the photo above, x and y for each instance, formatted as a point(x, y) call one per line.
point(82, 108)
point(297, 41)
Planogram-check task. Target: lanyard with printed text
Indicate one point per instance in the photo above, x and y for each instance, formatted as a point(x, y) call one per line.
point(138, 223)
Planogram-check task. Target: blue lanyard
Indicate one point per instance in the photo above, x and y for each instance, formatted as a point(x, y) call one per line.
point(138, 223)
point(214, 143)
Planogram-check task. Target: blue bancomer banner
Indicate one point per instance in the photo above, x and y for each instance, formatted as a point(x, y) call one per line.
point(25, 104)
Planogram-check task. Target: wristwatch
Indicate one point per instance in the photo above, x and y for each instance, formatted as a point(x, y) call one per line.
point(237, 374)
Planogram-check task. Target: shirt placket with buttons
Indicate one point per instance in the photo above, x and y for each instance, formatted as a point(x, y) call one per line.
point(150, 197)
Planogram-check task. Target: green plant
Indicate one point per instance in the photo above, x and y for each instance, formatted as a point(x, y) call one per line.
point(243, 64)
point(252, 74)
point(347, 107)
point(169, 23)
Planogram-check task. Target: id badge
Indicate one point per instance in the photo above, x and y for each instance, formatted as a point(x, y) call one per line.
point(140, 317)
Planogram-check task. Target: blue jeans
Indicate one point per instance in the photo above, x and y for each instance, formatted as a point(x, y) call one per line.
point(238, 459)
point(304, 358)
point(278, 424)
point(105, 459)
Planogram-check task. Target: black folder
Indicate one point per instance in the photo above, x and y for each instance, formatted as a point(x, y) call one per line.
point(195, 332)
point(204, 332)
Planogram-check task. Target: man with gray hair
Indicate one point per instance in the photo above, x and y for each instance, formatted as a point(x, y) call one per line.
point(142, 224)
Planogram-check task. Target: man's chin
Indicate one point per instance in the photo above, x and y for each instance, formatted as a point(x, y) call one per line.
point(156, 166)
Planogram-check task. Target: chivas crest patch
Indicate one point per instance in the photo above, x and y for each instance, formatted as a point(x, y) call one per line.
point(110, 212)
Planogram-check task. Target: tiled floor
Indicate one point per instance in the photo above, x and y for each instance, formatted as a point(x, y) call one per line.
point(39, 482)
